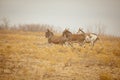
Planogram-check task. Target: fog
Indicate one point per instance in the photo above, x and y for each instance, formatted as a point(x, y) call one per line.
point(72, 14)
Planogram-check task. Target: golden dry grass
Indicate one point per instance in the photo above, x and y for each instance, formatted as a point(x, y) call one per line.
point(27, 56)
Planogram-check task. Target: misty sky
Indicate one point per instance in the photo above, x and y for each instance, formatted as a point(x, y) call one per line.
point(64, 13)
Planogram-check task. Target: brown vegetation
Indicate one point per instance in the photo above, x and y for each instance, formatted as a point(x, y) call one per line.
point(26, 55)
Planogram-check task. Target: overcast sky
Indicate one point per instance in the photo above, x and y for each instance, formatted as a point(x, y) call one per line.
point(64, 13)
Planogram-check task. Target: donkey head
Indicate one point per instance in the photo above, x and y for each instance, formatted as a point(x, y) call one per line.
point(80, 31)
point(66, 33)
point(48, 34)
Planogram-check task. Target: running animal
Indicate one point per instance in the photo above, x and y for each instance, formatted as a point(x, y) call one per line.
point(55, 39)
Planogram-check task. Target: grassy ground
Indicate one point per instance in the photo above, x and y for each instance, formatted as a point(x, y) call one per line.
point(27, 56)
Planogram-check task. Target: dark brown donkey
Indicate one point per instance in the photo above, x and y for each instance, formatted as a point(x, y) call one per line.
point(74, 38)
point(55, 39)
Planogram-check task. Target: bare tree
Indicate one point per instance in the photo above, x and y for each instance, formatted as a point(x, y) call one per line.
point(90, 29)
point(4, 23)
point(101, 28)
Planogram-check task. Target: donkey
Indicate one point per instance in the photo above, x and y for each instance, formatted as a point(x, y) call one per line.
point(74, 38)
point(55, 39)
point(89, 37)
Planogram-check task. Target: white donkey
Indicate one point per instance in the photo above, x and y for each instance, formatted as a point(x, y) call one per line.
point(89, 37)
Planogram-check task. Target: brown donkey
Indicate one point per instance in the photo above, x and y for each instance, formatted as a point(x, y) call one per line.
point(55, 39)
point(74, 38)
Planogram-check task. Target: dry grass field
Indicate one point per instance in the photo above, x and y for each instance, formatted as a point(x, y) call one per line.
point(28, 56)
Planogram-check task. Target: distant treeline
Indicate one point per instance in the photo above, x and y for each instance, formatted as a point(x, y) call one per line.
point(28, 27)
point(4, 25)
point(99, 28)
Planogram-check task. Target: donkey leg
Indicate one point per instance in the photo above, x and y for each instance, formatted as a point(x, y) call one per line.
point(92, 44)
point(70, 44)
point(82, 44)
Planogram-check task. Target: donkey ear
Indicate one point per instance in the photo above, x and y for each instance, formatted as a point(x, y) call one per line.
point(80, 28)
point(68, 28)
